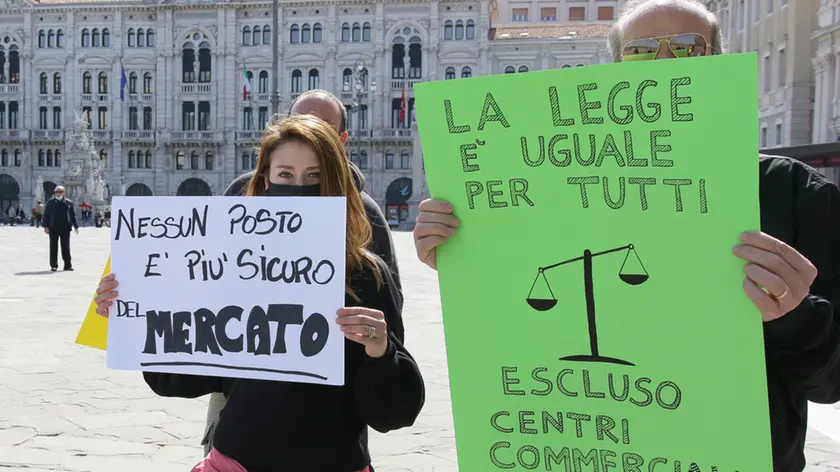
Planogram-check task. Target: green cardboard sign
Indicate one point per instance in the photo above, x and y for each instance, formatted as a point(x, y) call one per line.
point(594, 313)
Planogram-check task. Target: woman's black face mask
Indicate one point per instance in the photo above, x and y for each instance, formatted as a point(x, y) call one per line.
point(283, 190)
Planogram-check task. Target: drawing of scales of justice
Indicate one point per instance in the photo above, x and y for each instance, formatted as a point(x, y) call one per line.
point(629, 275)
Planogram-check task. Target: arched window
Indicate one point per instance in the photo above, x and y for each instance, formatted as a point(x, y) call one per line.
point(148, 163)
point(317, 33)
point(566, 66)
point(57, 83)
point(57, 158)
point(447, 30)
point(450, 73)
point(208, 160)
point(103, 156)
point(357, 32)
point(306, 33)
point(87, 83)
point(42, 83)
point(141, 38)
point(147, 83)
point(389, 160)
point(132, 38)
point(4, 158)
point(94, 35)
point(405, 160)
point(42, 39)
point(180, 160)
point(466, 72)
point(459, 29)
point(266, 35)
point(245, 162)
point(132, 82)
point(523, 68)
point(18, 157)
point(294, 34)
point(150, 38)
point(42, 158)
point(50, 39)
point(297, 81)
point(132, 161)
point(49, 158)
point(347, 77)
point(314, 79)
point(194, 160)
point(510, 70)
point(204, 62)
point(106, 38)
point(59, 39)
point(366, 30)
point(470, 29)
point(85, 38)
point(257, 36)
point(246, 36)
point(103, 82)
point(263, 84)
point(345, 32)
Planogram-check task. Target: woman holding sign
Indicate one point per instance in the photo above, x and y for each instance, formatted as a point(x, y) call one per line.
point(271, 426)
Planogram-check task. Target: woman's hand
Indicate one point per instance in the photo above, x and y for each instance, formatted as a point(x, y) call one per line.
point(106, 293)
point(365, 326)
point(435, 224)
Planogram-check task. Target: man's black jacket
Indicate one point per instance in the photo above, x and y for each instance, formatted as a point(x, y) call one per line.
point(60, 215)
point(382, 244)
point(802, 208)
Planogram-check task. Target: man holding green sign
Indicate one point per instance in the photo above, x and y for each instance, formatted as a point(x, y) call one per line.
point(623, 188)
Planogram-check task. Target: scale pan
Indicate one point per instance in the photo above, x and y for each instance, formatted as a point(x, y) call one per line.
point(541, 304)
point(634, 279)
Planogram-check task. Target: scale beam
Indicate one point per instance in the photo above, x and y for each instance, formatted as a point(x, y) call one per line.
point(580, 258)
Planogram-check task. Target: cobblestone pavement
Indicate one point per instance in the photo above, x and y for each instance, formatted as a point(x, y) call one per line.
point(61, 410)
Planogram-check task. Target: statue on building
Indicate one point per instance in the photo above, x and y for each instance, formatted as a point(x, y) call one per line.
point(83, 178)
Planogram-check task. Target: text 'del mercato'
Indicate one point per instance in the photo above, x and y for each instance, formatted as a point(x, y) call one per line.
point(229, 287)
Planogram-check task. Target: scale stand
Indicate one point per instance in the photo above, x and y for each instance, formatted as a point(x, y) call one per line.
point(544, 304)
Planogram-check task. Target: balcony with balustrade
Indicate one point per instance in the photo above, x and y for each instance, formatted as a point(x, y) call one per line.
point(10, 89)
point(48, 135)
point(143, 136)
point(193, 138)
point(14, 135)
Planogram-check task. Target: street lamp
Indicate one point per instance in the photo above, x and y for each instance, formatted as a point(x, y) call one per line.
point(358, 86)
point(275, 59)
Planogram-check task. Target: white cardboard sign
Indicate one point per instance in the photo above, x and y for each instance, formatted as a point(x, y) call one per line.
point(241, 287)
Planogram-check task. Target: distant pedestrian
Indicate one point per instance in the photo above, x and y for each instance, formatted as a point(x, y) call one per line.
point(38, 213)
point(59, 219)
point(12, 215)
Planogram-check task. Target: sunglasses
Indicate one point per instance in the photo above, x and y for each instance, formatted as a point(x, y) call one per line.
point(681, 45)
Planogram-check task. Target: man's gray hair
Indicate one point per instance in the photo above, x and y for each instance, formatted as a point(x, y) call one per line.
point(632, 8)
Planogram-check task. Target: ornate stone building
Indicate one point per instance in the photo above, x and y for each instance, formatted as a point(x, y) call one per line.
point(177, 122)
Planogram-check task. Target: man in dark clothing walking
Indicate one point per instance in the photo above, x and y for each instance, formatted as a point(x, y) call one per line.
point(59, 218)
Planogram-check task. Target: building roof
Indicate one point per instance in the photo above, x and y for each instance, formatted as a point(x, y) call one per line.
point(815, 155)
point(554, 31)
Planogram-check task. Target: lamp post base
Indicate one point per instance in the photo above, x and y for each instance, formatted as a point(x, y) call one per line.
point(591, 358)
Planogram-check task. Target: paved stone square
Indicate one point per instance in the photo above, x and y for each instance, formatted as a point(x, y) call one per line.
point(61, 410)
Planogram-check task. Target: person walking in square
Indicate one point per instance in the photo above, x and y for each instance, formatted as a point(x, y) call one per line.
point(59, 219)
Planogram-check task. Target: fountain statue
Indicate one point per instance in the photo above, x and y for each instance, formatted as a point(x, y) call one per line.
point(84, 179)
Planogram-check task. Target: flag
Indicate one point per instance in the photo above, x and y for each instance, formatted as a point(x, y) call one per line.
point(246, 83)
point(123, 83)
point(403, 108)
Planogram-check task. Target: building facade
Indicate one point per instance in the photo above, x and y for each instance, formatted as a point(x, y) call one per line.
point(161, 82)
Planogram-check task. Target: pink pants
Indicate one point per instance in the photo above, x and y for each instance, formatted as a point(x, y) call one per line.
point(218, 462)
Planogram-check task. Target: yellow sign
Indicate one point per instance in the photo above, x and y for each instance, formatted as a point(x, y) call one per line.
point(94, 331)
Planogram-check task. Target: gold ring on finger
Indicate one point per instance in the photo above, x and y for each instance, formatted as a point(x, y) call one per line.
point(371, 332)
point(783, 295)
